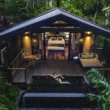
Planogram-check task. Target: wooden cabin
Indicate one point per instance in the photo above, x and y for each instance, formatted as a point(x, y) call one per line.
point(54, 35)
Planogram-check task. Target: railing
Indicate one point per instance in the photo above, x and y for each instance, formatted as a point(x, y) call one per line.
point(103, 69)
point(14, 68)
point(16, 63)
point(99, 51)
point(19, 69)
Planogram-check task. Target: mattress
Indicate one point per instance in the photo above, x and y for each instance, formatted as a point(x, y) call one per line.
point(55, 48)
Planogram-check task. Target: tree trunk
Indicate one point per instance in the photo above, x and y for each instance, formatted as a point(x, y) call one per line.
point(96, 12)
point(95, 16)
point(58, 3)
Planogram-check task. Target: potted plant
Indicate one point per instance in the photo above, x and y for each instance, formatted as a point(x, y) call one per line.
point(103, 87)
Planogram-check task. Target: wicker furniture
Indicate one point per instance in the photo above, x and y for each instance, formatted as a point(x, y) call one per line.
point(89, 60)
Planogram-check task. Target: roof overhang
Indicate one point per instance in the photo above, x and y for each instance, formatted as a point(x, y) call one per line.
point(51, 16)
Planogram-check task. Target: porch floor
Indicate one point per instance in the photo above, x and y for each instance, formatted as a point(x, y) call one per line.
point(46, 67)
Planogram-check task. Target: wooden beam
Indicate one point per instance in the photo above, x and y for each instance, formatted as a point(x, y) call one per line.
point(44, 47)
point(31, 36)
point(59, 30)
point(60, 25)
point(21, 69)
point(7, 47)
point(69, 46)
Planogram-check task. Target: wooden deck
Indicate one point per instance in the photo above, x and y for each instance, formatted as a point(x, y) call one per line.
point(46, 67)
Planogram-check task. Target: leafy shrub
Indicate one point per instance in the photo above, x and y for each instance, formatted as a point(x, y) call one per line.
point(103, 86)
point(8, 95)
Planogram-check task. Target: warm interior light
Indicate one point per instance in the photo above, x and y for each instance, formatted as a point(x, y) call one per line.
point(67, 36)
point(88, 32)
point(81, 40)
point(34, 40)
point(27, 32)
point(88, 37)
point(66, 33)
point(26, 37)
point(87, 43)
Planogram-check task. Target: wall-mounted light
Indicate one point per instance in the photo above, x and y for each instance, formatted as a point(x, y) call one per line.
point(26, 37)
point(88, 37)
point(88, 33)
point(34, 40)
point(26, 33)
point(81, 40)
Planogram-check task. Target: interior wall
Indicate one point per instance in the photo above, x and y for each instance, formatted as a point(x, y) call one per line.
point(87, 44)
point(40, 41)
point(27, 44)
point(72, 40)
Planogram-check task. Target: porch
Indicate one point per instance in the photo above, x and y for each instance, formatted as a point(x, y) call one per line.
point(55, 34)
point(48, 67)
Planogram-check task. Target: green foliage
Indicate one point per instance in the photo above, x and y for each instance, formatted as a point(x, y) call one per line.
point(71, 7)
point(103, 86)
point(8, 95)
point(3, 107)
point(20, 10)
point(101, 41)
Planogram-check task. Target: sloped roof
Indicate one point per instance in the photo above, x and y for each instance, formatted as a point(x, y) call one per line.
point(50, 16)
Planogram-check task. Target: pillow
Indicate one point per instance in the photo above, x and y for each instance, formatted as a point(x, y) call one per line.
point(88, 55)
point(53, 38)
point(59, 38)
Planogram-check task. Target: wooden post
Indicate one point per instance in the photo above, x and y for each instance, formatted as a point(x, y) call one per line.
point(58, 3)
point(31, 36)
point(44, 47)
point(8, 72)
point(7, 53)
point(9, 76)
point(81, 44)
point(69, 46)
point(25, 78)
point(96, 39)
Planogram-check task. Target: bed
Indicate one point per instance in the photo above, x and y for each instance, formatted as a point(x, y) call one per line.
point(53, 41)
point(90, 61)
point(55, 49)
point(56, 44)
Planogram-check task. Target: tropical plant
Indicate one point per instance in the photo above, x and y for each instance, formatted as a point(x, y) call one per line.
point(20, 10)
point(104, 88)
point(8, 95)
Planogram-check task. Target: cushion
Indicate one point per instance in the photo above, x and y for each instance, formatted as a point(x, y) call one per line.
point(88, 55)
point(59, 38)
point(53, 38)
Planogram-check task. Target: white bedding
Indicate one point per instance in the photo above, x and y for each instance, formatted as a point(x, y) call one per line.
point(55, 48)
point(56, 41)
